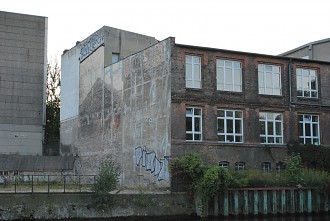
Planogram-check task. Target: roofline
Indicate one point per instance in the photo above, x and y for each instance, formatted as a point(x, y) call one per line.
point(251, 53)
point(305, 46)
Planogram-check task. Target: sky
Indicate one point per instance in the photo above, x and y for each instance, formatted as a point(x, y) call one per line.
point(259, 26)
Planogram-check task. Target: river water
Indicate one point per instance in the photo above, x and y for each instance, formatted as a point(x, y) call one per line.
point(277, 218)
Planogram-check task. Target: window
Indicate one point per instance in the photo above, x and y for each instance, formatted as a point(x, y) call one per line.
point(269, 77)
point(115, 57)
point(193, 124)
point(239, 166)
point(266, 166)
point(230, 126)
point(271, 128)
point(229, 75)
point(309, 129)
point(193, 71)
point(224, 164)
point(306, 83)
point(280, 166)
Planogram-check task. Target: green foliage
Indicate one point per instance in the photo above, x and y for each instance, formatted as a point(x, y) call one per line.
point(260, 179)
point(312, 156)
point(52, 129)
point(190, 167)
point(208, 181)
point(106, 181)
point(316, 179)
point(294, 170)
point(209, 184)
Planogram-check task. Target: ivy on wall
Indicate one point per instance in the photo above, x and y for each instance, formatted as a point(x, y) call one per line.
point(312, 156)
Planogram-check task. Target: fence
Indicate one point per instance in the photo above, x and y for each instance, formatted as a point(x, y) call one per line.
point(46, 183)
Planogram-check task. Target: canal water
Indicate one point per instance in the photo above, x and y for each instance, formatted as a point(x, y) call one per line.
point(276, 218)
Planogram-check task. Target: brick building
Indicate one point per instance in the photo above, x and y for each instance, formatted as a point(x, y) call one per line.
point(237, 109)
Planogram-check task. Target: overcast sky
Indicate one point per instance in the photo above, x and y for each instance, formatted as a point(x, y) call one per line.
point(260, 26)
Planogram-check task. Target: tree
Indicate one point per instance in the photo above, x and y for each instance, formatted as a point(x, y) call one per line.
point(52, 130)
point(106, 181)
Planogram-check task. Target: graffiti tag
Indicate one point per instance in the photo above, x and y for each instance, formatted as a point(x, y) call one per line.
point(91, 45)
point(149, 160)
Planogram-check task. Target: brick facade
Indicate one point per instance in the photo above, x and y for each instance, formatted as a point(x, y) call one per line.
point(249, 101)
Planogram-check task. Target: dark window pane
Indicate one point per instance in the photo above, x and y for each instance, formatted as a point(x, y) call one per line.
point(238, 114)
point(238, 139)
point(189, 136)
point(278, 128)
point(262, 139)
point(197, 112)
point(221, 138)
point(262, 128)
point(230, 138)
point(270, 128)
point(197, 124)
point(307, 130)
point(315, 130)
point(221, 126)
point(299, 93)
point(270, 139)
point(197, 137)
point(238, 126)
point(188, 124)
point(230, 126)
point(221, 113)
point(308, 141)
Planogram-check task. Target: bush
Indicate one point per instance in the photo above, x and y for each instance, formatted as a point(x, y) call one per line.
point(189, 167)
point(106, 181)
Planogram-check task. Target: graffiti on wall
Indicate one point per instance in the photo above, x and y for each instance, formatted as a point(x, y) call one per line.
point(149, 160)
point(91, 44)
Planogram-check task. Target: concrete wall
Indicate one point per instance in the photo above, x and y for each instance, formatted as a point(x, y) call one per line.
point(80, 206)
point(314, 51)
point(249, 101)
point(23, 46)
point(82, 65)
point(124, 113)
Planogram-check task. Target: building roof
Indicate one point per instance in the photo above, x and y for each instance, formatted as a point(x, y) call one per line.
point(306, 45)
point(36, 163)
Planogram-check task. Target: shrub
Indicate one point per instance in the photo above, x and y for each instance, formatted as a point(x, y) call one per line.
point(209, 184)
point(189, 167)
point(106, 181)
point(294, 170)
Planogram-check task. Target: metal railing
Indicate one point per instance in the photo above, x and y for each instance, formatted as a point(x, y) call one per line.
point(46, 183)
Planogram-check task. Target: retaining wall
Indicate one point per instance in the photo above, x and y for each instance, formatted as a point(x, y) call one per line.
point(264, 201)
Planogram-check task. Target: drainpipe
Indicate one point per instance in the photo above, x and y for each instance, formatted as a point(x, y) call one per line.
point(44, 97)
point(290, 80)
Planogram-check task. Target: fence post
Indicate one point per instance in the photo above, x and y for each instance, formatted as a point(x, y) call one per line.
point(64, 184)
point(79, 185)
point(15, 182)
point(32, 184)
point(48, 183)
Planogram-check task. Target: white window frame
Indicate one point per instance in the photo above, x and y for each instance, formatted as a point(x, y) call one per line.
point(194, 116)
point(315, 139)
point(226, 79)
point(270, 117)
point(240, 166)
point(305, 74)
point(266, 167)
point(193, 65)
point(233, 119)
point(262, 76)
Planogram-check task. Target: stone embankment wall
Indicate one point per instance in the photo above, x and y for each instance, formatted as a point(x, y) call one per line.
point(63, 206)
